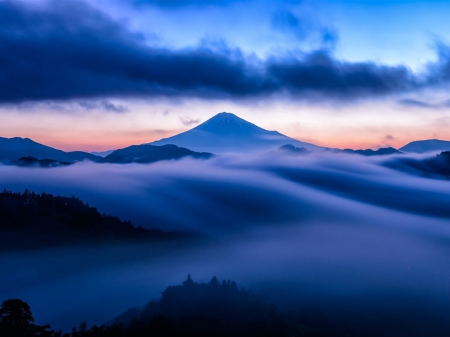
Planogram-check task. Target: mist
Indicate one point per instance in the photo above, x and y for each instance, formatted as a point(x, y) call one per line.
point(341, 232)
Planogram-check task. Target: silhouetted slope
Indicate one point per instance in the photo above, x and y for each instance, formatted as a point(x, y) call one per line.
point(292, 150)
point(226, 132)
point(149, 153)
point(422, 146)
point(207, 309)
point(369, 152)
point(102, 153)
point(34, 162)
point(29, 220)
point(288, 150)
point(437, 166)
point(223, 310)
point(14, 148)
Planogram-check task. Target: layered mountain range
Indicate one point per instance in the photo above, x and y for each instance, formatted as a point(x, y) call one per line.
point(223, 133)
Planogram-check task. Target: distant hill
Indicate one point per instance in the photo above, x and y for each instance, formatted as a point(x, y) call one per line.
point(288, 150)
point(369, 152)
point(292, 150)
point(14, 148)
point(30, 220)
point(34, 162)
point(216, 308)
point(145, 154)
point(422, 146)
point(102, 153)
point(226, 132)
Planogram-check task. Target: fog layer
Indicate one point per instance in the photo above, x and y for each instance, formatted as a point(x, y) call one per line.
point(341, 232)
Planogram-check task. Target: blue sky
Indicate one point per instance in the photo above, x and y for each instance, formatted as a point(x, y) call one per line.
point(391, 32)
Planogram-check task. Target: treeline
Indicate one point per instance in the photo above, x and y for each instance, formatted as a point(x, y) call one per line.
point(31, 220)
point(191, 309)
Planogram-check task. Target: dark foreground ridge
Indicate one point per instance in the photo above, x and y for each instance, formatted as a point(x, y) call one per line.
point(191, 309)
point(215, 309)
point(30, 220)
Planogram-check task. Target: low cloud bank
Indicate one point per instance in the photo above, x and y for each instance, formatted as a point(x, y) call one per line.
point(342, 232)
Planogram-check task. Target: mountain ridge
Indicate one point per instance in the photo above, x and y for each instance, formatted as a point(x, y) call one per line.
point(226, 132)
point(426, 145)
point(146, 154)
point(14, 148)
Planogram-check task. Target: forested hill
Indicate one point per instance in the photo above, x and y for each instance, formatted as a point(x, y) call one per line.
point(30, 220)
point(219, 309)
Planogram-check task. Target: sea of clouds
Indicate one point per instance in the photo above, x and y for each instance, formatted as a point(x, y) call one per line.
point(341, 232)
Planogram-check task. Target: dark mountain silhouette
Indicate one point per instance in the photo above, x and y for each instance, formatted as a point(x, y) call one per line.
point(149, 153)
point(437, 166)
point(206, 309)
point(14, 148)
point(369, 152)
point(34, 162)
point(422, 146)
point(220, 309)
point(288, 150)
point(292, 150)
point(29, 220)
point(102, 153)
point(226, 132)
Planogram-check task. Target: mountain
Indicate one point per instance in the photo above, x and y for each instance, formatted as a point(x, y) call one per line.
point(288, 150)
point(292, 150)
point(145, 154)
point(216, 308)
point(14, 148)
point(34, 162)
point(422, 146)
point(369, 152)
point(102, 153)
point(226, 132)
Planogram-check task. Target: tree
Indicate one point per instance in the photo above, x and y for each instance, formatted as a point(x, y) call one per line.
point(16, 320)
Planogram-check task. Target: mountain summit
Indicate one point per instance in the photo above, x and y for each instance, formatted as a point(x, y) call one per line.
point(226, 132)
point(428, 145)
point(226, 123)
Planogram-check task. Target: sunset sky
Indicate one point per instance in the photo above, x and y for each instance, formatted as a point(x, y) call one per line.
point(104, 74)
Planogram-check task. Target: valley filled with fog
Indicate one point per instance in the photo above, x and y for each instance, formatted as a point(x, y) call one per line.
point(354, 236)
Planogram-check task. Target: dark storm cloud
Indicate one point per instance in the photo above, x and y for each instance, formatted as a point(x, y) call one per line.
point(319, 72)
point(72, 51)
